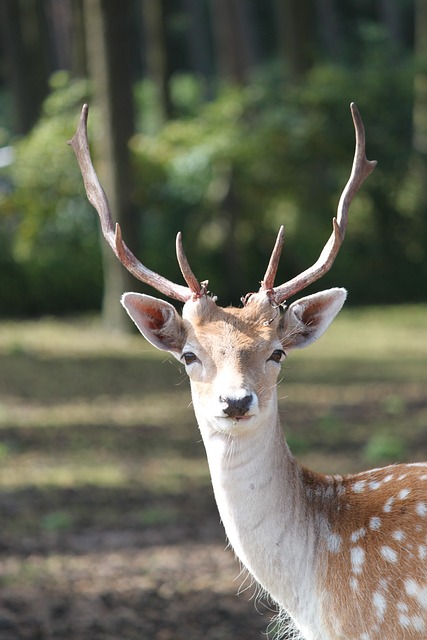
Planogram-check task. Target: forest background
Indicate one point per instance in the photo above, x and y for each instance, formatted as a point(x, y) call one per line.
point(219, 118)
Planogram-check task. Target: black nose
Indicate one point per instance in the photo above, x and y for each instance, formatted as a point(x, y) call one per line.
point(237, 406)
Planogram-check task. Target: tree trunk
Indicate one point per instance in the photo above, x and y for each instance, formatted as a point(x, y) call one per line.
point(233, 40)
point(60, 18)
point(414, 201)
point(78, 43)
point(329, 29)
point(199, 45)
point(153, 16)
point(296, 34)
point(420, 86)
point(107, 38)
point(391, 16)
point(25, 38)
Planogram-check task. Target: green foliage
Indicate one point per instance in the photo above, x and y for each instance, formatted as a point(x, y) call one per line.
point(384, 447)
point(227, 174)
point(51, 256)
point(256, 158)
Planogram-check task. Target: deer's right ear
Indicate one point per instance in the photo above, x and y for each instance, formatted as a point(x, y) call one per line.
point(158, 321)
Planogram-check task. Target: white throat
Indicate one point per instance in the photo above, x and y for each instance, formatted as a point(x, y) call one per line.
point(259, 493)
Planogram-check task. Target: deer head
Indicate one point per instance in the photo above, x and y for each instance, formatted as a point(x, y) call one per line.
point(232, 355)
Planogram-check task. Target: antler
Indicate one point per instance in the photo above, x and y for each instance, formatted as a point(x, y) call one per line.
point(360, 171)
point(97, 197)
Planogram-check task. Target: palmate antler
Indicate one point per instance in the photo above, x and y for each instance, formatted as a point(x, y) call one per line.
point(112, 233)
point(361, 169)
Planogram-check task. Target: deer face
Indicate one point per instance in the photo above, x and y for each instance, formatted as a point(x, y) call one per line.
point(233, 356)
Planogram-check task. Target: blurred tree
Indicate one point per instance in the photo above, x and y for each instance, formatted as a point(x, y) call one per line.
point(390, 13)
point(199, 45)
point(107, 41)
point(419, 137)
point(78, 64)
point(414, 200)
point(330, 31)
point(233, 35)
point(154, 34)
point(297, 36)
point(25, 34)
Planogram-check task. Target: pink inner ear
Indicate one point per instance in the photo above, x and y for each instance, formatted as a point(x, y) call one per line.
point(155, 319)
point(311, 313)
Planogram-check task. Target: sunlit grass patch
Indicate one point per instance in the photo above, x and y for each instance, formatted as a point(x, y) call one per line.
point(387, 333)
point(78, 336)
point(169, 472)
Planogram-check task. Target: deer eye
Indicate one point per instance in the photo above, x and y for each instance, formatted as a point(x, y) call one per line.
point(277, 356)
point(189, 357)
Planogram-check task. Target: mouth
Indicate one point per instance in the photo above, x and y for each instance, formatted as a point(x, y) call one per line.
point(233, 425)
point(235, 419)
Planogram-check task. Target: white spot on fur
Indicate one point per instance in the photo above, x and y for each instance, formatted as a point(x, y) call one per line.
point(388, 505)
point(398, 535)
point(359, 486)
point(421, 509)
point(375, 523)
point(380, 604)
point(388, 554)
point(404, 621)
point(418, 623)
point(354, 584)
point(357, 555)
point(422, 552)
point(334, 542)
point(356, 535)
point(402, 495)
point(414, 590)
point(374, 485)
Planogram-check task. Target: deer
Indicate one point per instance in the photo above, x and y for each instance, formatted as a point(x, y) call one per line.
point(344, 556)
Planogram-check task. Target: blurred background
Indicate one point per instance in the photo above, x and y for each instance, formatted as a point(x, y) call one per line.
point(223, 119)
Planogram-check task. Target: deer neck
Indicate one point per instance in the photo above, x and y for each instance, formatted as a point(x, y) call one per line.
point(262, 500)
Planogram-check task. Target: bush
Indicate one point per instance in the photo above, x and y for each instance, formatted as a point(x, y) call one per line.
point(51, 259)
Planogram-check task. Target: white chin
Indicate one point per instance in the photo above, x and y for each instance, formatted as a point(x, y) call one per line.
point(233, 426)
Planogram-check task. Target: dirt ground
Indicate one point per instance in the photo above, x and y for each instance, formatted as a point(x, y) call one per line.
point(171, 581)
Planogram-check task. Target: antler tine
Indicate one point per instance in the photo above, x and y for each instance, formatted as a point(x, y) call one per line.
point(112, 234)
point(268, 282)
point(361, 169)
point(197, 289)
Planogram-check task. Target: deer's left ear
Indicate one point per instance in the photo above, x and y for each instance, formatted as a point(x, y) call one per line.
point(308, 318)
point(157, 320)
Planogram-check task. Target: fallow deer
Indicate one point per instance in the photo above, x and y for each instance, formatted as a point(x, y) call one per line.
point(344, 556)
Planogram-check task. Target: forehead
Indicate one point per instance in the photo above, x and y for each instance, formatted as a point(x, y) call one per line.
point(251, 327)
